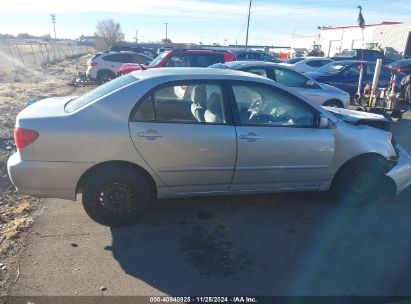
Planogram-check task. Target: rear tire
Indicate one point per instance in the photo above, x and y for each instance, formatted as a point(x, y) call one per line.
point(360, 182)
point(115, 196)
point(105, 76)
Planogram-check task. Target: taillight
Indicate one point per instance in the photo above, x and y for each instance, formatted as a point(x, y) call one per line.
point(91, 63)
point(24, 137)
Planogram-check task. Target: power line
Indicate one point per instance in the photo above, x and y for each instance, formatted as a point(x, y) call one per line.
point(271, 29)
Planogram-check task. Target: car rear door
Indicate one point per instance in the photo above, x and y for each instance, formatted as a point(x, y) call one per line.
point(279, 143)
point(183, 132)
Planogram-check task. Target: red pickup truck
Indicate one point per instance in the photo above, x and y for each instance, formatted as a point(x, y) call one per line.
point(182, 58)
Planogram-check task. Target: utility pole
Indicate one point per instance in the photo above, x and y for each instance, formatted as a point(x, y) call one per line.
point(166, 23)
point(53, 20)
point(248, 25)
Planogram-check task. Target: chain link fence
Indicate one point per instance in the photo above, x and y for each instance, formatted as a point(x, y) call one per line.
point(20, 54)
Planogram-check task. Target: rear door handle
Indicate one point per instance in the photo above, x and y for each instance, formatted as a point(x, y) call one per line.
point(251, 136)
point(150, 134)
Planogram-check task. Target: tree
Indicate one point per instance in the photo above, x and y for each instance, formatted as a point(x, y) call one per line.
point(166, 41)
point(108, 32)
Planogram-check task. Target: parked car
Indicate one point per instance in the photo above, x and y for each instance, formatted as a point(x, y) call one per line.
point(243, 55)
point(317, 92)
point(345, 75)
point(103, 67)
point(182, 58)
point(308, 64)
point(134, 48)
point(165, 133)
point(403, 66)
point(362, 55)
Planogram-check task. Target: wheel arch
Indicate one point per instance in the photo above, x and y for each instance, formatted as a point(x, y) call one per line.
point(340, 103)
point(359, 158)
point(117, 164)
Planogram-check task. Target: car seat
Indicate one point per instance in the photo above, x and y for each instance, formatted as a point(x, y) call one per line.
point(214, 112)
point(199, 98)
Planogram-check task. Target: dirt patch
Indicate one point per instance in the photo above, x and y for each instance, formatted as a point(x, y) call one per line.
point(16, 87)
point(210, 253)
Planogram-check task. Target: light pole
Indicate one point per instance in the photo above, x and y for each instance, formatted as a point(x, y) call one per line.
point(53, 21)
point(166, 41)
point(248, 25)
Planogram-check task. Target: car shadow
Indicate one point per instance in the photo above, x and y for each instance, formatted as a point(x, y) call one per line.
point(277, 244)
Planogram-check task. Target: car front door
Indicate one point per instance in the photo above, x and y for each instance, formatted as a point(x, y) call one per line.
point(279, 143)
point(182, 131)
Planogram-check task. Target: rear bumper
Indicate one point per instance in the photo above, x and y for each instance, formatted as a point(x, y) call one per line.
point(400, 174)
point(45, 179)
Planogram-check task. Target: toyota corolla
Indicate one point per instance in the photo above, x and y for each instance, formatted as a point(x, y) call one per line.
point(165, 133)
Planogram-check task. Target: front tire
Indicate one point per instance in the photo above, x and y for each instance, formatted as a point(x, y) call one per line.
point(115, 196)
point(360, 182)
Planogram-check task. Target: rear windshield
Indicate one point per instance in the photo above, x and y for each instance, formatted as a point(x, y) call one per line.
point(218, 66)
point(98, 92)
point(295, 60)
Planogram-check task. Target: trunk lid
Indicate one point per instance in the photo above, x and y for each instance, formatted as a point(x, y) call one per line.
point(49, 107)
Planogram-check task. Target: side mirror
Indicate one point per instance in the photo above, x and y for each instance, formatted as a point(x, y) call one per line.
point(310, 83)
point(323, 121)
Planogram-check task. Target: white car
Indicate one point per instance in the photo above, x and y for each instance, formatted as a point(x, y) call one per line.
point(309, 64)
point(103, 67)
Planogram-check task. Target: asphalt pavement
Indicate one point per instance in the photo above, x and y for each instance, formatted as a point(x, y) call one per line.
point(279, 244)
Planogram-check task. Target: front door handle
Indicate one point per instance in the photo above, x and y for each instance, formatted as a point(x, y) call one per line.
point(150, 134)
point(251, 136)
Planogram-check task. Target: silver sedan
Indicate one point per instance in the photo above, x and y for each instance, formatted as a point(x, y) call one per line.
point(165, 133)
point(320, 93)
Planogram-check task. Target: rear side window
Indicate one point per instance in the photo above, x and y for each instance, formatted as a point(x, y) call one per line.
point(191, 102)
point(98, 92)
point(123, 58)
point(205, 60)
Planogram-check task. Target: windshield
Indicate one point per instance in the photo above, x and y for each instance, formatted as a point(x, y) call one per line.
point(98, 92)
point(158, 59)
point(333, 68)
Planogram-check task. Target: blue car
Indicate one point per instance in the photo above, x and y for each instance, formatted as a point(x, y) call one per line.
point(345, 75)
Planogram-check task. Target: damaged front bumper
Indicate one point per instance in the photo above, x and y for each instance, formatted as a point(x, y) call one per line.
point(400, 175)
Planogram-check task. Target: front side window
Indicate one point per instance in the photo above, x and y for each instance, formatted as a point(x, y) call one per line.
point(257, 71)
point(185, 102)
point(289, 78)
point(158, 59)
point(261, 105)
point(351, 71)
point(179, 60)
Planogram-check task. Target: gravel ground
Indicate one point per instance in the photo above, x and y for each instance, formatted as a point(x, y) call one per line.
point(16, 211)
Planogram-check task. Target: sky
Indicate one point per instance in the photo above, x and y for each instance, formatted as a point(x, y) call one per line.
point(206, 21)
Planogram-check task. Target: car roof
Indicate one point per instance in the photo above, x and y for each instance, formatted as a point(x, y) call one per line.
point(202, 51)
point(246, 63)
point(350, 61)
point(121, 52)
point(196, 73)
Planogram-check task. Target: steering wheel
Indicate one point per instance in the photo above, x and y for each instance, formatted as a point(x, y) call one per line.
point(255, 108)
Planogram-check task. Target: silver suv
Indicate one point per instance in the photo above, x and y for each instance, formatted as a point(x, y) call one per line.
point(103, 67)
